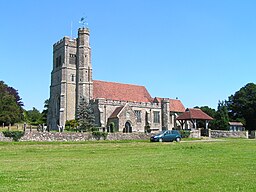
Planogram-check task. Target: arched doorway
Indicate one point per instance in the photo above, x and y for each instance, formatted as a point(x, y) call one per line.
point(127, 127)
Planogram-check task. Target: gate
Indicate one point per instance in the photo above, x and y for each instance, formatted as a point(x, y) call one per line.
point(205, 132)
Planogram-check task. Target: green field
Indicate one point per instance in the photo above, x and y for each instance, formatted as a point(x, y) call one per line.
point(228, 165)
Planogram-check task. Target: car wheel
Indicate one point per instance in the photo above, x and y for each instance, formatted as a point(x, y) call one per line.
point(160, 140)
point(178, 139)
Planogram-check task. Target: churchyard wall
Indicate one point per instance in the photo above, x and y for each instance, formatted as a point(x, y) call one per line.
point(77, 136)
point(229, 134)
point(3, 138)
point(73, 136)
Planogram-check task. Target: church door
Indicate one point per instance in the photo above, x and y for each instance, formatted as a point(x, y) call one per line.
point(128, 127)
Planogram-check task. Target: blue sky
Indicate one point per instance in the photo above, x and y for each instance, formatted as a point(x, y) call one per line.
point(199, 51)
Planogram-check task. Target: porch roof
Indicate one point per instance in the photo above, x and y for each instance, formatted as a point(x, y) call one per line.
point(192, 114)
point(116, 112)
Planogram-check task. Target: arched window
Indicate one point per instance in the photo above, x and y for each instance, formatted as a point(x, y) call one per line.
point(72, 77)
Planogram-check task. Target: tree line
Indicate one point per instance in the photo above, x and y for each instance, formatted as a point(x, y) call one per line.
point(12, 111)
point(241, 106)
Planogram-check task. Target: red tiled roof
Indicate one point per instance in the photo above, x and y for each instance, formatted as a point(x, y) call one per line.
point(120, 92)
point(236, 123)
point(194, 114)
point(176, 105)
point(116, 112)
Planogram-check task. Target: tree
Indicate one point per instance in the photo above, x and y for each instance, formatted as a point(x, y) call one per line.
point(71, 124)
point(15, 93)
point(209, 111)
point(9, 110)
point(10, 105)
point(221, 117)
point(85, 116)
point(212, 113)
point(34, 116)
point(242, 106)
point(45, 111)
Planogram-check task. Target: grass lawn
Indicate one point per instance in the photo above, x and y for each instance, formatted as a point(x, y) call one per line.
point(129, 166)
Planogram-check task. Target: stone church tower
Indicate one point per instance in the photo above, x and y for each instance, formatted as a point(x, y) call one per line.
point(71, 78)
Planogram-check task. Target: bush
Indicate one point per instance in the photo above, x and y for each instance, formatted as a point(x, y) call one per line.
point(184, 133)
point(15, 135)
point(99, 134)
point(71, 125)
point(95, 129)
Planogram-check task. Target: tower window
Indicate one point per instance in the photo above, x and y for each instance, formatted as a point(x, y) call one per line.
point(72, 59)
point(72, 77)
point(58, 61)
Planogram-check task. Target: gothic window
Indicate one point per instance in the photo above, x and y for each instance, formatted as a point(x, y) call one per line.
point(138, 115)
point(58, 61)
point(72, 77)
point(156, 116)
point(72, 59)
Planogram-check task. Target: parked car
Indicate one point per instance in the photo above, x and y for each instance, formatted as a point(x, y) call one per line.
point(167, 135)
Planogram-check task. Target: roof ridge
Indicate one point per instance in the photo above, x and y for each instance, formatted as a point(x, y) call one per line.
point(175, 99)
point(120, 83)
point(167, 98)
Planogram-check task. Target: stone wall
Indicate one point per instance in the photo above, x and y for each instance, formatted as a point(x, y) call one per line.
point(3, 138)
point(56, 136)
point(219, 133)
point(128, 136)
point(195, 134)
point(73, 136)
point(230, 134)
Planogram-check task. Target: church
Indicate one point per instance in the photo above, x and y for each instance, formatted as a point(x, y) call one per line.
point(117, 107)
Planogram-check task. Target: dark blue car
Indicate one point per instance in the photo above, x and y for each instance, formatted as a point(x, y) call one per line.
point(167, 135)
